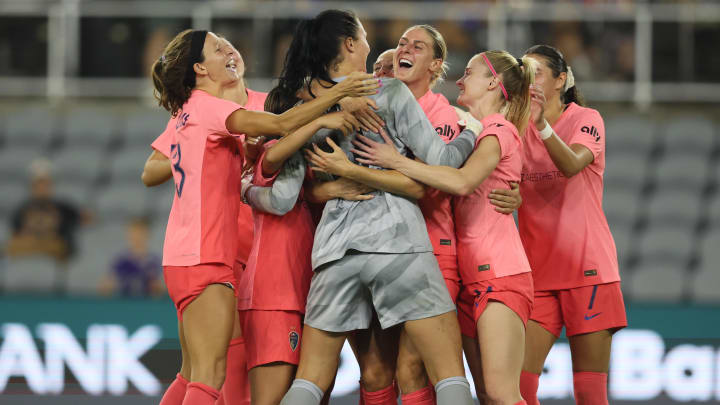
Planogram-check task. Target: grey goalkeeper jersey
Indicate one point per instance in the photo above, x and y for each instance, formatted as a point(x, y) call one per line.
point(388, 223)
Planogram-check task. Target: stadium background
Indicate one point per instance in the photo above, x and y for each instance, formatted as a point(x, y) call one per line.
point(74, 90)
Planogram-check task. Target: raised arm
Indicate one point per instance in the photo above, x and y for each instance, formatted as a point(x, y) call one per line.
point(570, 158)
point(254, 123)
point(157, 169)
point(281, 197)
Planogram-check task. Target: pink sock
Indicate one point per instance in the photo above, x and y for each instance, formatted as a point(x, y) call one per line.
point(236, 389)
point(529, 386)
point(386, 396)
point(521, 403)
point(590, 388)
point(175, 392)
point(423, 396)
point(200, 394)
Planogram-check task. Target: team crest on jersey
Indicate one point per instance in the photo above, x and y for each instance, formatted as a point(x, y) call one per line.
point(294, 340)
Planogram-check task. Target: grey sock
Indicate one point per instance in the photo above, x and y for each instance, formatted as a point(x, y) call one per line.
point(453, 391)
point(303, 392)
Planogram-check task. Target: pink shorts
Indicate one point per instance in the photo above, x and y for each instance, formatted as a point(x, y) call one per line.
point(449, 268)
point(185, 283)
point(516, 292)
point(271, 336)
point(581, 310)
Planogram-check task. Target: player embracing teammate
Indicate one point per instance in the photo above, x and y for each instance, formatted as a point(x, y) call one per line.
point(509, 316)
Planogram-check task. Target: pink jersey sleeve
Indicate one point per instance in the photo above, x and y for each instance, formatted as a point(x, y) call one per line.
point(163, 142)
point(259, 179)
point(589, 131)
point(506, 138)
point(256, 100)
point(216, 112)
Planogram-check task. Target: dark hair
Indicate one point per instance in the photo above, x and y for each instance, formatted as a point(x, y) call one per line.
point(556, 62)
point(314, 50)
point(170, 71)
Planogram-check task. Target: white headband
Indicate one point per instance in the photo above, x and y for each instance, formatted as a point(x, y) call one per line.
point(569, 80)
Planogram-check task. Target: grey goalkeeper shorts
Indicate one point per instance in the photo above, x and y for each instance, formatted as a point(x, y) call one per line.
point(401, 286)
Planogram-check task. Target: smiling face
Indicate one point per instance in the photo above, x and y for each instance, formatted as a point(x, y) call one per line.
point(239, 62)
point(475, 82)
point(414, 57)
point(383, 66)
point(220, 63)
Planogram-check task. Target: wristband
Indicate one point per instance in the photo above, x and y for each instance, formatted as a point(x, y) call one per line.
point(474, 125)
point(546, 132)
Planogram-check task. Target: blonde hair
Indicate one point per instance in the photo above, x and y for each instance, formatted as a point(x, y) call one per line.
point(516, 75)
point(439, 51)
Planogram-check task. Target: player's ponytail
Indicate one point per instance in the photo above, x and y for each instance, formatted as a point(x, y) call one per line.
point(555, 61)
point(313, 52)
point(172, 89)
point(516, 77)
point(295, 71)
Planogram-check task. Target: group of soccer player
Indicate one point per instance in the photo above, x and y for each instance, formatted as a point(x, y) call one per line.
point(346, 206)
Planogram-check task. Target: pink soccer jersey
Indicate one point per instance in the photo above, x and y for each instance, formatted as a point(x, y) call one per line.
point(279, 269)
point(489, 244)
point(255, 102)
point(435, 205)
point(562, 224)
point(164, 142)
point(206, 167)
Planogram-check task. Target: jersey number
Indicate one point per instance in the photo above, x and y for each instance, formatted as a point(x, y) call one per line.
point(175, 152)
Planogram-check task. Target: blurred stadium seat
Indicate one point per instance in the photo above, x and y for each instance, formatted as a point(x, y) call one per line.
point(630, 134)
point(12, 195)
point(14, 161)
point(142, 126)
point(30, 274)
point(693, 134)
point(32, 125)
point(85, 126)
point(706, 284)
point(122, 201)
point(127, 164)
point(99, 245)
point(682, 171)
point(626, 168)
point(80, 163)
